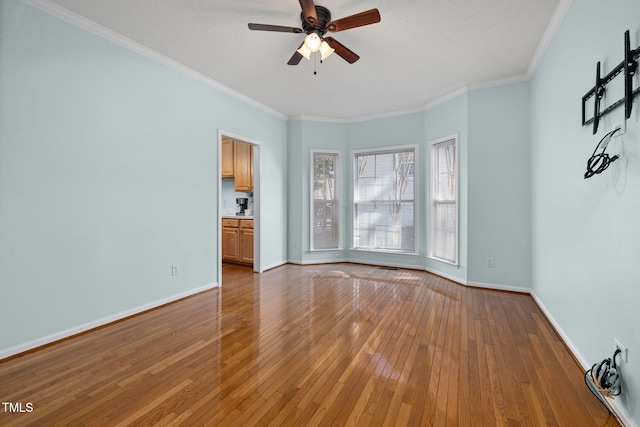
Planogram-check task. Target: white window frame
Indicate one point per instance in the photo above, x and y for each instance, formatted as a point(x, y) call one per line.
point(337, 198)
point(432, 203)
point(416, 197)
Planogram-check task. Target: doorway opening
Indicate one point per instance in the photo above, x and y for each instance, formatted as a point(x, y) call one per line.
point(239, 204)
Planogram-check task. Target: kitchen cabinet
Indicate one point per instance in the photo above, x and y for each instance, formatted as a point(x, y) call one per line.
point(237, 240)
point(230, 240)
point(237, 163)
point(227, 157)
point(246, 241)
point(243, 166)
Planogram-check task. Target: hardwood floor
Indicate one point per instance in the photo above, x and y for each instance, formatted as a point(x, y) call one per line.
point(338, 344)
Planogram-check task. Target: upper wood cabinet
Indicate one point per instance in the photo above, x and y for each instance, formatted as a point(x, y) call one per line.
point(237, 162)
point(227, 157)
point(243, 166)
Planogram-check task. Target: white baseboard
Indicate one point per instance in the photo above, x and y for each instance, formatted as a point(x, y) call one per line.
point(320, 261)
point(387, 264)
point(620, 413)
point(481, 285)
point(576, 353)
point(275, 265)
point(57, 336)
point(507, 288)
point(413, 267)
point(446, 276)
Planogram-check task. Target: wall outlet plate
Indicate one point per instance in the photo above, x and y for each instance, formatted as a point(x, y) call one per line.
point(625, 352)
point(622, 126)
point(175, 269)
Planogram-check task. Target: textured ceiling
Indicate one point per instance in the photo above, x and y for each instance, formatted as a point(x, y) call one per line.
point(419, 52)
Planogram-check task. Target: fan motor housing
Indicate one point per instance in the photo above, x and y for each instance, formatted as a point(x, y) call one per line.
point(324, 17)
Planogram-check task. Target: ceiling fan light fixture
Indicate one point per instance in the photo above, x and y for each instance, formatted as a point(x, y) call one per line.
point(312, 42)
point(304, 51)
point(316, 21)
point(325, 50)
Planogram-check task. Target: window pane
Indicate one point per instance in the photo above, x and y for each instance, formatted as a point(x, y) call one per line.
point(444, 242)
point(325, 229)
point(445, 179)
point(325, 208)
point(324, 176)
point(384, 225)
point(384, 214)
point(444, 211)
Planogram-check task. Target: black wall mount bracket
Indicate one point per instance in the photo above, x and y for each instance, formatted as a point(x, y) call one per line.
point(630, 67)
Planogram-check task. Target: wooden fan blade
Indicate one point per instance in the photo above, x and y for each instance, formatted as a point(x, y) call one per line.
point(342, 51)
point(297, 56)
point(309, 11)
point(358, 20)
point(278, 28)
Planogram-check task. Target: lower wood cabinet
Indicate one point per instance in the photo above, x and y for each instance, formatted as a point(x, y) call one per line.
point(237, 240)
point(230, 244)
point(246, 241)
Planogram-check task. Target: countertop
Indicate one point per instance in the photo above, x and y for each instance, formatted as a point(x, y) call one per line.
point(234, 216)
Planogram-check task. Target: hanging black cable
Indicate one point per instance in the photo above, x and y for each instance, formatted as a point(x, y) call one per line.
point(597, 163)
point(603, 379)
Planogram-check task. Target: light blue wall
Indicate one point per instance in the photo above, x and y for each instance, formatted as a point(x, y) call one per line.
point(442, 121)
point(294, 191)
point(499, 186)
point(305, 135)
point(108, 176)
point(586, 233)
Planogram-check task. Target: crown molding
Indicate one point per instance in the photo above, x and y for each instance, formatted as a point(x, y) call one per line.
point(438, 101)
point(446, 97)
point(105, 33)
point(317, 119)
point(114, 37)
point(503, 81)
point(545, 42)
point(547, 37)
point(358, 119)
point(387, 115)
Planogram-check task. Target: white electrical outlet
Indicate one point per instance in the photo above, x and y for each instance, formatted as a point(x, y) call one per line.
point(625, 353)
point(175, 269)
point(622, 126)
point(490, 262)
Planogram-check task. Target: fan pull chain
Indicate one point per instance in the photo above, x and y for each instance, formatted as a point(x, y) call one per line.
point(315, 64)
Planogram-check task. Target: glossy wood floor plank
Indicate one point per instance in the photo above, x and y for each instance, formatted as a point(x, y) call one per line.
point(328, 345)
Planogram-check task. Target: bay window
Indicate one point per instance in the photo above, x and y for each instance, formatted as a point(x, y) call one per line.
point(384, 207)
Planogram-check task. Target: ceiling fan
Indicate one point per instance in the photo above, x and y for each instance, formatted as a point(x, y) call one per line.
point(316, 21)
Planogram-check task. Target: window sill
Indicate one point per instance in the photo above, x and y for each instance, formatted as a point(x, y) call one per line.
point(385, 251)
point(444, 261)
point(325, 250)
